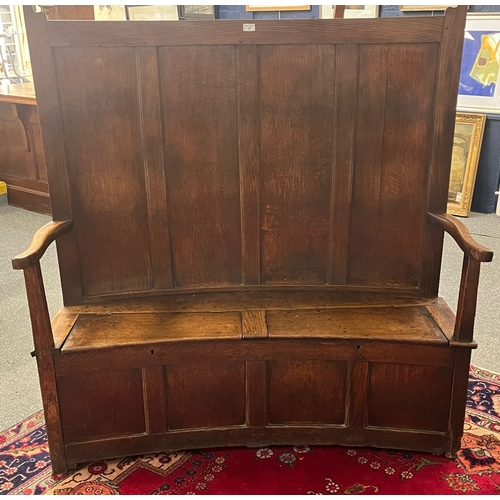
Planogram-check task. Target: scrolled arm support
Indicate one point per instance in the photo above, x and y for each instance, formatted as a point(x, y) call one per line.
point(474, 254)
point(459, 232)
point(29, 261)
point(42, 239)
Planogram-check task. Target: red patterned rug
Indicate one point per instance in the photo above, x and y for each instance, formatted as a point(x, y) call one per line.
point(25, 464)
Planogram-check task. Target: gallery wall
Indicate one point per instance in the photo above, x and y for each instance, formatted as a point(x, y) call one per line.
point(239, 12)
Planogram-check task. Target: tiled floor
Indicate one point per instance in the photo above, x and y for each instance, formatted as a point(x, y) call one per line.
point(19, 390)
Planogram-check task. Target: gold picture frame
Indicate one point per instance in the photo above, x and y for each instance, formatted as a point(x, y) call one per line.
point(469, 131)
point(275, 8)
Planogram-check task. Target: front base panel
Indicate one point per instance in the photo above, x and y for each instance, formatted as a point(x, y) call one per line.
point(351, 393)
point(435, 443)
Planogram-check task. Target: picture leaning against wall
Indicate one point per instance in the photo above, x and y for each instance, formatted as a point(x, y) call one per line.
point(469, 130)
point(478, 88)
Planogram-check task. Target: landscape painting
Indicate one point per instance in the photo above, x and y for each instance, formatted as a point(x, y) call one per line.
point(469, 130)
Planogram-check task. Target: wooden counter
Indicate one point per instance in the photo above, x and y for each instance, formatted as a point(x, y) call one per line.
point(22, 162)
point(20, 93)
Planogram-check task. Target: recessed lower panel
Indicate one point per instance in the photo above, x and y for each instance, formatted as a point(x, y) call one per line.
point(307, 392)
point(205, 395)
point(408, 396)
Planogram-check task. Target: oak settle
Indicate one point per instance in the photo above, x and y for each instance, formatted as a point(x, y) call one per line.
point(249, 228)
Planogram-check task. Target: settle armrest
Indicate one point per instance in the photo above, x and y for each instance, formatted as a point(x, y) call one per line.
point(474, 254)
point(29, 261)
point(459, 232)
point(42, 239)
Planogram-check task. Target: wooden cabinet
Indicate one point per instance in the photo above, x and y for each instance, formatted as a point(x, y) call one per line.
point(22, 161)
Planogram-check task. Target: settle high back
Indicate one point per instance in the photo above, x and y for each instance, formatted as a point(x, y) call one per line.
point(190, 155)
point(268, 199)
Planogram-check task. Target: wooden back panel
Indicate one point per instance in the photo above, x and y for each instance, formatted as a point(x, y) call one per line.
point(197, 155)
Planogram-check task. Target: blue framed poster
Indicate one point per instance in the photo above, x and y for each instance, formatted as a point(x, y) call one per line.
point(479, 87)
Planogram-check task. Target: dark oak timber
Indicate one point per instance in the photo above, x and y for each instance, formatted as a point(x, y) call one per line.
point(249, 227)
point(459, 232)
point(289, 31)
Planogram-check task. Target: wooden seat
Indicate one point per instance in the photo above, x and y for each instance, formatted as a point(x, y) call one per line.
point(249, 224)
point(173, 321)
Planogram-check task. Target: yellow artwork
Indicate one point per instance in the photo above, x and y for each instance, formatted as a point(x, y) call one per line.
point(153, 13)
point(109, 13)
point(485, 69)
point(469, 130)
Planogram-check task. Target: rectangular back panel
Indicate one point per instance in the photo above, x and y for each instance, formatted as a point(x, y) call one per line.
point(197, 155)
point(99, 105)
point(297, 112)
point(200, 115)
point(391, 157)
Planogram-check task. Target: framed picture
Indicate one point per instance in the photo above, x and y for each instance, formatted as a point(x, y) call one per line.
point(351, 11)
point(110, 13)
point(275, 8)
point(152, 13)
point(195, 12)
point(421, 8)
point(469, 130)
point(479, 82)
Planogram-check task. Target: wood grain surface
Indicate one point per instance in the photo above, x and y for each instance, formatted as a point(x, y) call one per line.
point(202, 395)
point(101, 410)
point(297, 110)
point(262, 164)
point(201, 124)
point(387, 230)
point(257, 235)
point(402, 324)
point(104, 107)
point(230, 32)
point(94, 331)
point(414, 409)
point(319, 386)
point(42, 239)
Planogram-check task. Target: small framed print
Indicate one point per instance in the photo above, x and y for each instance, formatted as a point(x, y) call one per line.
point(110, 13)
point(198, 12)
point(152, 13)
point(479, 74)
point(469, 130)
